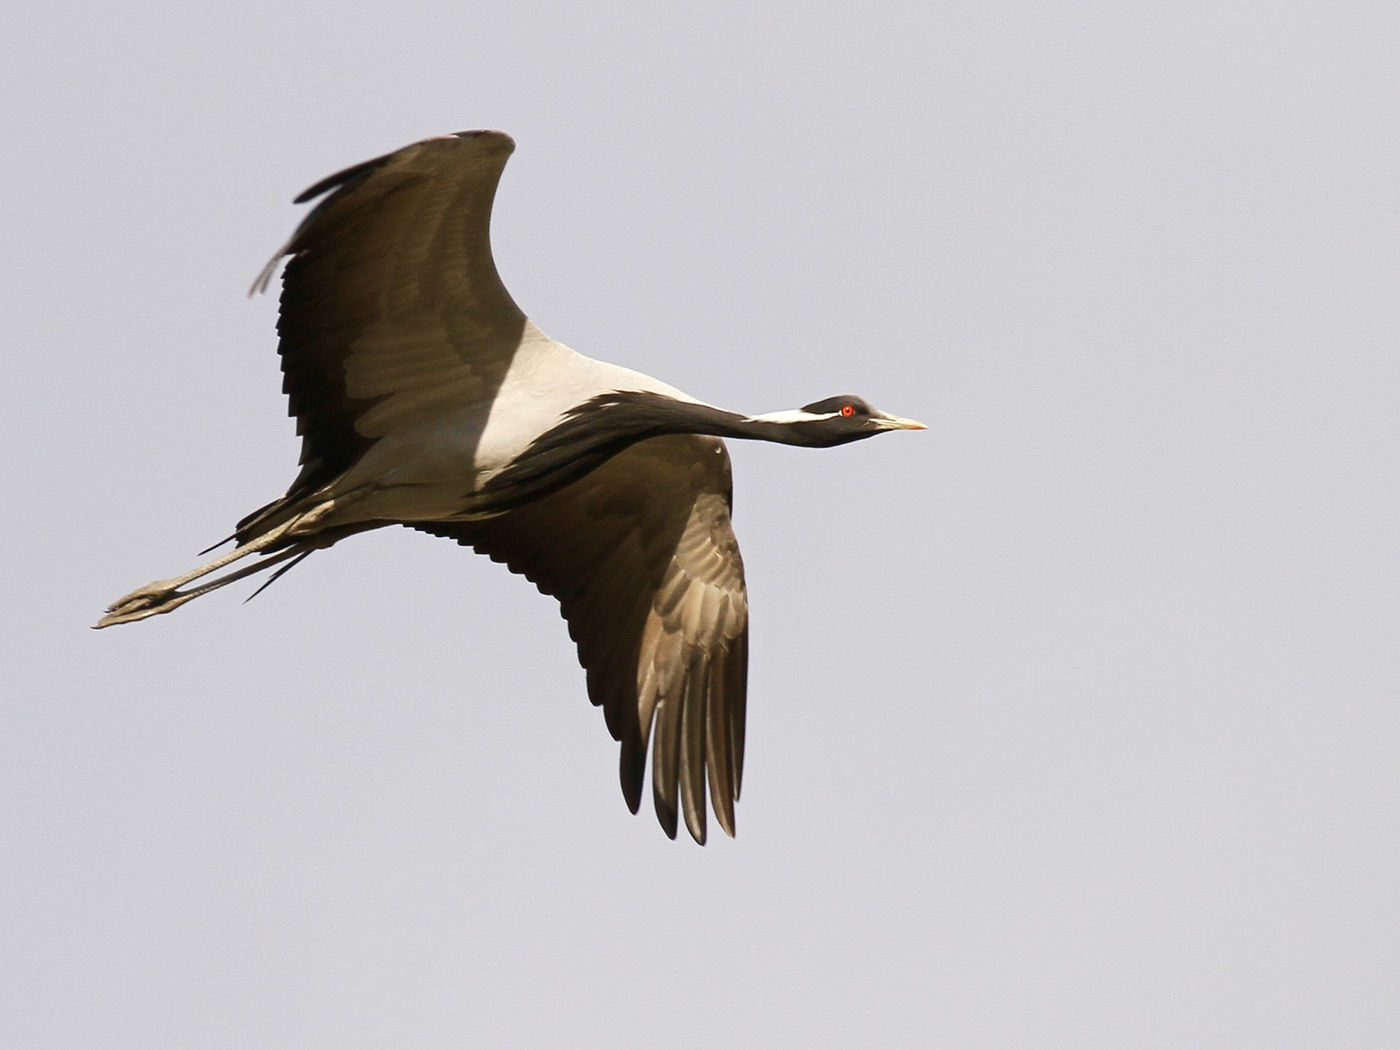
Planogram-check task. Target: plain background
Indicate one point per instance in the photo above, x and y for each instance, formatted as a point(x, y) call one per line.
point(1073, 721)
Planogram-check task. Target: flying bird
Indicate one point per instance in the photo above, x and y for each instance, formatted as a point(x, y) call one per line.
point(424, 397)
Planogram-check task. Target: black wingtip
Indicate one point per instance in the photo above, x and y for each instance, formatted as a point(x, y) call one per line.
point(667, 815)
point(631, 770)
point(340, 178)
point(491, 134)
point(360, 171)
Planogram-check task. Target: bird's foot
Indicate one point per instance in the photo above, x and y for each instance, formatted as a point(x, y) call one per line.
point(150, 600)
point(163, 596)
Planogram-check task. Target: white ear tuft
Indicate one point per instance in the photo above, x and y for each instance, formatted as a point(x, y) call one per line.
point(791, 415)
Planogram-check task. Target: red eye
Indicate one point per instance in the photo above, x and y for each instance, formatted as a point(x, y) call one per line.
point(848, 410)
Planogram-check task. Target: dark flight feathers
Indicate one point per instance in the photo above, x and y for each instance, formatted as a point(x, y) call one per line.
point(642, 559)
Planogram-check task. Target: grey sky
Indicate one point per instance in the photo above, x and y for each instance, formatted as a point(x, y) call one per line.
point(1073, 721)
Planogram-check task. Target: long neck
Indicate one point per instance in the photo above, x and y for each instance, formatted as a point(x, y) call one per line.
point(647, 414)
point(600, 428)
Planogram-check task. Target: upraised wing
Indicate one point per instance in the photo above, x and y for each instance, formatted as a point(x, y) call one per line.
point(642, 558)
point(392, 311)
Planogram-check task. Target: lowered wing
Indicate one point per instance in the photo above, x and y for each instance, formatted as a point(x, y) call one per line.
point(642, 558)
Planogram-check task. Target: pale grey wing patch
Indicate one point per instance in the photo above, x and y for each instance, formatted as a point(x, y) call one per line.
point(697, 620)
point(642, 557)
point(392, 311)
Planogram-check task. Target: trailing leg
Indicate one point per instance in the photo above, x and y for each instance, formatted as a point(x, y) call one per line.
point(162, 596)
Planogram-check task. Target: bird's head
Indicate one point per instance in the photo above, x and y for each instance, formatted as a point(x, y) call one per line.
point(832, 421)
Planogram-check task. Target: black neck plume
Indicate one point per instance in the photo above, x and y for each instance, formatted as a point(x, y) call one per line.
point(603, 426)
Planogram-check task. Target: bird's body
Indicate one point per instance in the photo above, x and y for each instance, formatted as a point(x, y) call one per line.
point(425, 397)
point(441, 466)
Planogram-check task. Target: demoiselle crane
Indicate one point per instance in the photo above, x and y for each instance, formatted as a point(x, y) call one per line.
point(425, 397)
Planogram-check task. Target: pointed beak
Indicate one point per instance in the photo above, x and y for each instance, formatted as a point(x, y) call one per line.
point(896, 423)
